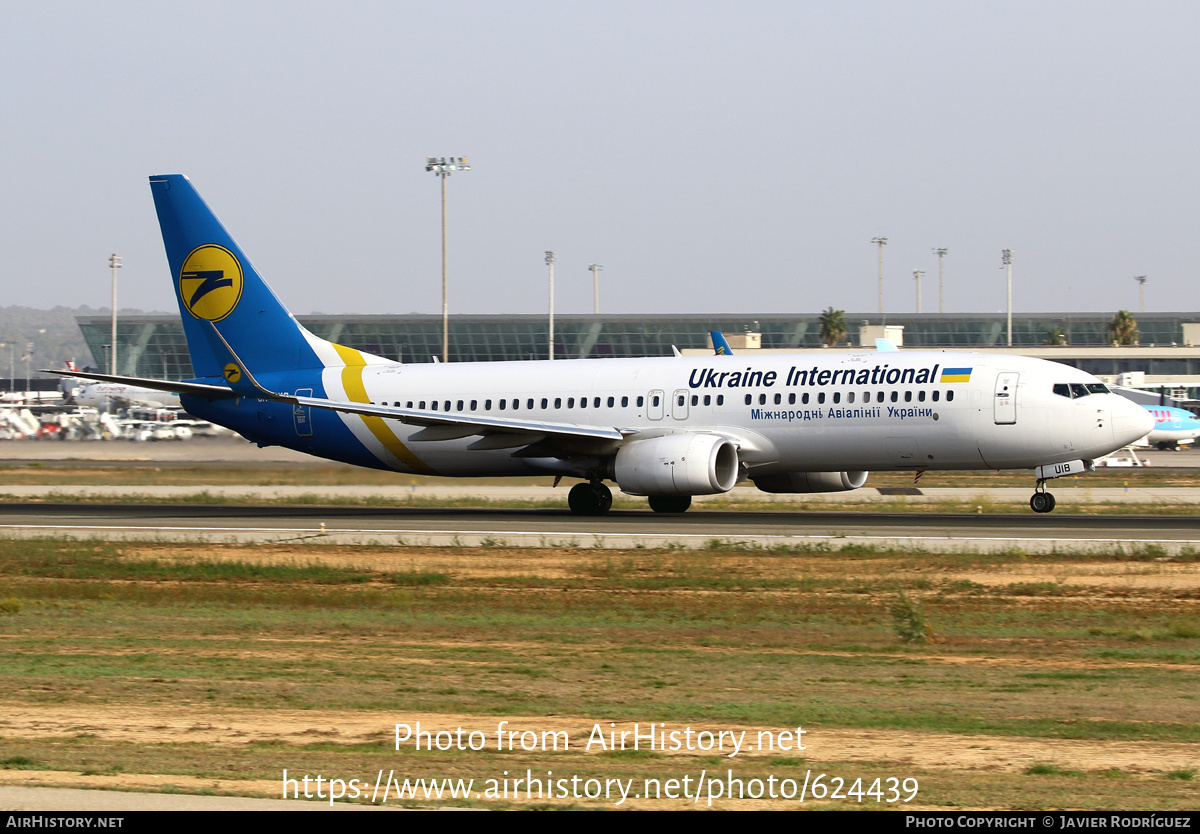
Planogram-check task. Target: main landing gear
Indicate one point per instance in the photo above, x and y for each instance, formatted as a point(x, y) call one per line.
point(1042, 501)
point(670, 503)
point(592, 498)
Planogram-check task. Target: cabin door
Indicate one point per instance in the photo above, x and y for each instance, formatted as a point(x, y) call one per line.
point(654, 405)
point(679, 404)
point(302, 416)
point(1006, 398)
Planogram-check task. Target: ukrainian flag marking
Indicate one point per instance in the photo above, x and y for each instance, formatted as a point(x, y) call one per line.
point(956, 375)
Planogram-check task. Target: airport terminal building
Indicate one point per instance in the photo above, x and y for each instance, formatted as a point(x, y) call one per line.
point(1168, 352)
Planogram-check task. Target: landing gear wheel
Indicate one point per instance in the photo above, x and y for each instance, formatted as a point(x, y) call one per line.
point(589, 499)
point(1041, 502)
point(670, 503)
point(605, 495)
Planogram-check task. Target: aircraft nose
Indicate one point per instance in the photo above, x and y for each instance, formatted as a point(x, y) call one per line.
point(1130, 421)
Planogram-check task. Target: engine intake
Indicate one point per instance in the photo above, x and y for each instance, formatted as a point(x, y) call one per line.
point(677, 464)
point(811, 481)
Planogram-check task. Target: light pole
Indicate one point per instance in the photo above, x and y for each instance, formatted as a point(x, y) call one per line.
point(114, 262)
point(880, 242)
point(442, 167)
point(1141, 279)
point(941, 253)
point(551, 257)
point(1006, 258)
point(595, 268)
point(918, 274)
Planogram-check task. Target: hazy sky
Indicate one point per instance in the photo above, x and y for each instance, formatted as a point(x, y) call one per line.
point(713, 156)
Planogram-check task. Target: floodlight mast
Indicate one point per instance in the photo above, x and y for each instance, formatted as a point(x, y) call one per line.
point(1006, 259)
point(443, 167)
point(114, 263)
point(880, 242)
point(941, 253)
point(1141, 279)
point(551, 257)
point(918, 274)
point(595, 268)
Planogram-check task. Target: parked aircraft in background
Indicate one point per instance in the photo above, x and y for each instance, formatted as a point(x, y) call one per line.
point(1173, 427)
point(109, 396)
point(666, 428)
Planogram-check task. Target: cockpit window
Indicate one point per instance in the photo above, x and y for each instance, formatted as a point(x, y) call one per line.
point(1075, 390)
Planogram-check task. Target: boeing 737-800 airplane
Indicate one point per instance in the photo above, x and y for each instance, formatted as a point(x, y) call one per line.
point(665, 428)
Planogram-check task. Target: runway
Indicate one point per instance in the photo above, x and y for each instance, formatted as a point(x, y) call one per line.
point(619, 529)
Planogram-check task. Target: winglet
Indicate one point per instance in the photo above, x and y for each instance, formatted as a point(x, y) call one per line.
point(719, 344)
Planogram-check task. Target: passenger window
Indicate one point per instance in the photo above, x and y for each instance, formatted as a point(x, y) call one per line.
point(850, 397)
point(558, 402)
point(950, 396)
point(821, 398)
point(792, 398)
point(778, 399)
point(680, 400)
point(596, 402)
point(720, 399)
point(654, 402)
point(908, 396)
point(695, 399)
point(433, 405)
point(611, 400)
point(502, 404)
point(459, 406)
point(921, 396)
point(762, 399)
point(804, 399)
point(409, 404)
point(837, 397)
point(624, 402)
point(936, 394)
point(640, 401)
point(487, 405)
point(570, 402)
point(474, 404)
point(545, 403)
point(422, 405)
point(749, 399)
point(708, 399)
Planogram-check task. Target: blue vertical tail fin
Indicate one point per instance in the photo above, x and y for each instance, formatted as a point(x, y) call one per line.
point(217, 286)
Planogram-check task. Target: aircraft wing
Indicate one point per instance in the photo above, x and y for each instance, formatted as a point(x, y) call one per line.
point(464, 424)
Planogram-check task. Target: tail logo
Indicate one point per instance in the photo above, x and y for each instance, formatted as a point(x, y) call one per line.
point(233, 373)
point(210, 282)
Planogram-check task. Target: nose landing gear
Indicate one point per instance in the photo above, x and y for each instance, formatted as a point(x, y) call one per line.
point(1041, 501)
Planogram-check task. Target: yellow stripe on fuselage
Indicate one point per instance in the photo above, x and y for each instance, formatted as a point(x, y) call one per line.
point(356, 390)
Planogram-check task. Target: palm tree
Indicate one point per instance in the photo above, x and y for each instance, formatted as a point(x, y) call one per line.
point(1122, 330)
point(1055, 337)
point(833, 326)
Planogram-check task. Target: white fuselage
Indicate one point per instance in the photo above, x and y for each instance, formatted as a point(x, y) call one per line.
point(786, 413)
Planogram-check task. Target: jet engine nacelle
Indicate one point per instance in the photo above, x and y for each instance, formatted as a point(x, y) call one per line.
point(811, 481)
point(677, 464)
